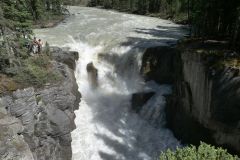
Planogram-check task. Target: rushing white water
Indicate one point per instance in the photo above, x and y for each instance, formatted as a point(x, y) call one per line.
point(107, 129)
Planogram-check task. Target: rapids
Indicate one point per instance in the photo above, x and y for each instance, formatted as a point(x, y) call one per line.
point(107, 128)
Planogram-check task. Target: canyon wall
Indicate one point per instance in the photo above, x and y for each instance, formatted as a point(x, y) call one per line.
point(37, 123)
point(205, 103)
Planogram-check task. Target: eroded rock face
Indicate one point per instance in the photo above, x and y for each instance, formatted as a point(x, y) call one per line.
point(92, 75)
point(205, 104)
point(210, 98)
point(46, 116)
point(12, 143)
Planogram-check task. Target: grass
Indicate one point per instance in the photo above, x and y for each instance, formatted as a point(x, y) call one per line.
point(216, 52)
point(232, 63)
point(37, 71)
point(28, 71)
point(7, 84)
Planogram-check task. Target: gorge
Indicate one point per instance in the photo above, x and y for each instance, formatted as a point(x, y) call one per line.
point(131, 89)
point(106, 128)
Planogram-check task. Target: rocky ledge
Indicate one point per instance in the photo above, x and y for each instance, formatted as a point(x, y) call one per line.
point(205, 103)
point(36, 124)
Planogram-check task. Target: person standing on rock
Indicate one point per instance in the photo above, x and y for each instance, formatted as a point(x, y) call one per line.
point(40, 43)
point(34, 46)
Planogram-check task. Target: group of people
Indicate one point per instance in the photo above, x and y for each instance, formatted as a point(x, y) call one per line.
point(36, 46)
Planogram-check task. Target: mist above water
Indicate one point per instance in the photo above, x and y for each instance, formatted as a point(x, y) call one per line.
point(107, 128)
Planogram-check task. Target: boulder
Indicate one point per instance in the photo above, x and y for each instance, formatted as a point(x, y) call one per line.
point(64, 55)
point(92, 75)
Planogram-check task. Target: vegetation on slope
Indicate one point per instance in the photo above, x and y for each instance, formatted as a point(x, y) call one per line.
point(17, 67)
point(203, 152)
point(209, 19)
point(216, 54)
point(213, 19)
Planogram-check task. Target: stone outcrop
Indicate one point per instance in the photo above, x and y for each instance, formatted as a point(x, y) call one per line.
point(92, 75)
point(12, 143)
point(205, 104)
point(65, 56)
point(45, 116)
point(161, 64)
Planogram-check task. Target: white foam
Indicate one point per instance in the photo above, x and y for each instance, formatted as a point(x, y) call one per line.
point(107, 129)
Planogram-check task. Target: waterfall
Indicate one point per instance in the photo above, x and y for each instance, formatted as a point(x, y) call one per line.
point(107, 128)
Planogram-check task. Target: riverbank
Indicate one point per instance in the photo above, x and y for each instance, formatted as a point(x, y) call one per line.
point(178, 19)
point(52, 21)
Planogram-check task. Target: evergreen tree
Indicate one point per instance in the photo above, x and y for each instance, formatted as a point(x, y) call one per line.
point(16, 17)
point(208, 18)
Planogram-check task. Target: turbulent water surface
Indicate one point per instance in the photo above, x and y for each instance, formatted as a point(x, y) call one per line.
point(107, 129)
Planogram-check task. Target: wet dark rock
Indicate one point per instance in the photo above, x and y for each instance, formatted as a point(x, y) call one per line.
point(160, 64)
point(139, 99)
point(205, 104)
point(210, 101)
point(92, 75)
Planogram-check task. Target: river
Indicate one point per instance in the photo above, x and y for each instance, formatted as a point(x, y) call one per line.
point(107, 128)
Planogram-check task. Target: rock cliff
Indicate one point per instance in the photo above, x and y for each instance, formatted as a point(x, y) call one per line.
point(205, 104)
point(37, 122)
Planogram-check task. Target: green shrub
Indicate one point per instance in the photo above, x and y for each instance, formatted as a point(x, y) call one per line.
point(37, 71)
point(46, 49)
point(42, 61)
point(7, 84)
point(203, 152)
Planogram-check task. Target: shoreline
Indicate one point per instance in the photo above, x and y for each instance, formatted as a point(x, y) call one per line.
point(49, 23)
point(154, 15)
